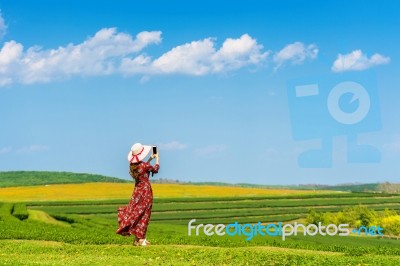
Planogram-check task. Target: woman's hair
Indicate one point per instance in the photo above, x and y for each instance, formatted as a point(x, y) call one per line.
point(134, 171)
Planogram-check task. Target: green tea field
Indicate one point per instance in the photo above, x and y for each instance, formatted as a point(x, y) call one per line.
point(83, 233)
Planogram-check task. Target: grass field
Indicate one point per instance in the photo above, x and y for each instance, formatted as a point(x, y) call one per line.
point(32, 178)
point(56, 228)
point(98, 191)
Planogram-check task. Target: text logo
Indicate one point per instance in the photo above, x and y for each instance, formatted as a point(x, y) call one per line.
point(325, 107)
point(279, 229)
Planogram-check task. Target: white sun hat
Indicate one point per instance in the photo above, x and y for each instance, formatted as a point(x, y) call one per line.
point(138, 152)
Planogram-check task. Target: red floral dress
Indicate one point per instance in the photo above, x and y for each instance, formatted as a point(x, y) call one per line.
point(134, 218)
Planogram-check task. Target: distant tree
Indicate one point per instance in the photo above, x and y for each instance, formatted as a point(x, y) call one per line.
point(391, 225)
point(389, 213)
point(354, 216)
point(313, 217)
point(389, 187)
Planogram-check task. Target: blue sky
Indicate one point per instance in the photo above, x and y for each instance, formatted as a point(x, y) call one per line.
point(207, 83)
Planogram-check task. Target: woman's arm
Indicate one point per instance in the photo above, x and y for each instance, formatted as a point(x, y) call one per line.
point(154, 169)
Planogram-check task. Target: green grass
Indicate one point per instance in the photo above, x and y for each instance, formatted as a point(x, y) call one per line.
point(100, 231)
point(50, 253)
point(273, 203)
point(219, 204)
point(45, 218)
point(208, 213)
point(83, 233)
point(31, 178)
point(20, 211)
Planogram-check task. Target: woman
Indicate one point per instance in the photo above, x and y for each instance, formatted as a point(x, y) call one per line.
point(134, 218)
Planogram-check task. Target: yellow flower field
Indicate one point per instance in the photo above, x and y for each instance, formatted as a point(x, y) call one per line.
point(97, 191)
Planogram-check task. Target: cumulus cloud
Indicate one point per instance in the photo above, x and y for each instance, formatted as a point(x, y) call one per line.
point(356, 61)
point(110, 52)
point(98, 55)
point(173, 145)
point(3, 26)
point(200, 58)
point(295, 53)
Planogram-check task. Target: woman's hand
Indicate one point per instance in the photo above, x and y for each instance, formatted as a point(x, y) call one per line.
point(157, 158)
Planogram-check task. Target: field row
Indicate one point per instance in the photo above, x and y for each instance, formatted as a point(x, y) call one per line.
point(156, 200)
point(236, 205)
point(110, 191)
point(100, 229)
point(244, 211)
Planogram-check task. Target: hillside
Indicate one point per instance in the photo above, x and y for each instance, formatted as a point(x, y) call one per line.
point(30, 178)
point(371, 187)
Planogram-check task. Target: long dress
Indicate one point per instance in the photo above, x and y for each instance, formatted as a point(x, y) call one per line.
point(134, 218)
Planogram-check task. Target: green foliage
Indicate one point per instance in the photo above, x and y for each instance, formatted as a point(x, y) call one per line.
point(89, 237)
point(391, 222)
point(20, 211)
point(6, 209)
point(313, 217)
point(367, 216)
point(273, 203)
point(392, 226)
point(218, 199)
point(358, 216)
point(37, 253)
point(389, 212)
point(63, 218)
point(22, 178)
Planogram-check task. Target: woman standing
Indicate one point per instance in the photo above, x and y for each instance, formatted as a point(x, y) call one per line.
point(134, 218)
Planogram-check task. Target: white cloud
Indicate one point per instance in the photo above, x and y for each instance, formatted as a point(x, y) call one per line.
point(211, 149)
point(5, 150)
point(191, 58)
point(3, 26)
point(110, 52)
point(173, 145)
point(98, 55)
point(236, 53)
point(200, 58)
point(10, 53)
point(295, 53)
point(33, 149)
point(356, 60)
